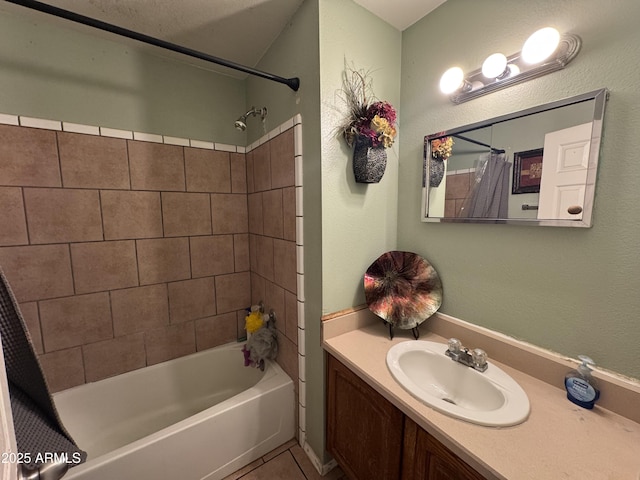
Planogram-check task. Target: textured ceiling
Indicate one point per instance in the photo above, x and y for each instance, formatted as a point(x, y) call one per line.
point(237, 30)
point(400, 13)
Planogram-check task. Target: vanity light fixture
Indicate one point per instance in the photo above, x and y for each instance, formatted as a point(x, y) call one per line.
point(545, 51)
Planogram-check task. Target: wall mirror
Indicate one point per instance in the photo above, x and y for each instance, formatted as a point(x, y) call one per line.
point(533, 167)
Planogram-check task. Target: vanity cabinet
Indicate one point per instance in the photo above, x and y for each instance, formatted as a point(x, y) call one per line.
point(372, 439)
point(425, 458)
point(364, 430)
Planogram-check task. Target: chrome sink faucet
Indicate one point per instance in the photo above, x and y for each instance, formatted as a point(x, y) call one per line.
point(477, 359)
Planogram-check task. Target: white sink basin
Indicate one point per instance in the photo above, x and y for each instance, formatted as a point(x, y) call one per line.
point(491, 398)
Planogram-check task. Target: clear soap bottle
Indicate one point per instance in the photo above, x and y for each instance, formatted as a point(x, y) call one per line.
point(582, 388)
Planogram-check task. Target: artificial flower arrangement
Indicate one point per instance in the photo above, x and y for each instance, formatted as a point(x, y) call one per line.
point(442, 148)
point(367, 117)
point(370, 126)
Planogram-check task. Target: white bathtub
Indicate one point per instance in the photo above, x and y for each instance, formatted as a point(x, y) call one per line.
point(203, 416)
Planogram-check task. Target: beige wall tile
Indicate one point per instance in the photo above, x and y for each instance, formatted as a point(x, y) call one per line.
point(156, 166)
point(282, 160)
point(284, 264)
point(289, 213)
point(261, 168)
point(274, 300)
point(229, 213)
point(264, 257)
point(207, 170)
point(163, 260)
point(241, 252)
point(170, 342)
point(192, 299)
point(212, 255)
point(457, 186)
point(450, 208)
point(73, 321)
point(254, 203)
point(186, 214)
point(258, 288)
point(214, 331)
point(90, 161)
point(139, 309)
point(250, 183)
point(129, 215)
point(233, 292)
point(28, 157)
point(238, 173)
point(291, 316)
point(99, 266)
point(253, 252)
point(58, 215)
point(31, 317)
point(240, 320)
point(37, 272)
point(113, 357)
point(12, 219)
point(288, 358)
point(63, 369)
point(272, 213)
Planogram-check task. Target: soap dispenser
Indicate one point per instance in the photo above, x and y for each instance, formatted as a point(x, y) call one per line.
point(582, 389)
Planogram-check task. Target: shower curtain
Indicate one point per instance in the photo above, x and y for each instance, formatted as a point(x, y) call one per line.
point(489, 194)
point(38, 428)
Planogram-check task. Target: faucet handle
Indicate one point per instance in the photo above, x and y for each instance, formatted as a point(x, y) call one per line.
point(454, 345)
point(479, 358)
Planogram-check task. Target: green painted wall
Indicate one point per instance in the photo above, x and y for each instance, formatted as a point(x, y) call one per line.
point(55, 69)
point(358, 220)
point(346, 225)
point(569, 290)
point(296, 53)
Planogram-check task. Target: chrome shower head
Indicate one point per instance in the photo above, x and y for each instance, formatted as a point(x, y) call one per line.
point(241, 121)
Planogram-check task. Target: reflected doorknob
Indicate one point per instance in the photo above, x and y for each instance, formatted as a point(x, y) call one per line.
point(574, 209)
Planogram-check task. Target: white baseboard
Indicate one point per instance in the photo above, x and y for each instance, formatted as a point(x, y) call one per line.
point(322, 469)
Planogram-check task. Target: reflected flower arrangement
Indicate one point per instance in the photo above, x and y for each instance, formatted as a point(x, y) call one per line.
point(442, 148)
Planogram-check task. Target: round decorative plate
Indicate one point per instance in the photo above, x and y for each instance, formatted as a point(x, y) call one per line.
point(403, 289)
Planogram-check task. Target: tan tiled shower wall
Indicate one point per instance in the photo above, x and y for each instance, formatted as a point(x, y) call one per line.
point(272, 239)
point(124, 253)
point(458, 187)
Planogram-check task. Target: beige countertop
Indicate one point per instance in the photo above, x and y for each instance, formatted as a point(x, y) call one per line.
point(559, 440)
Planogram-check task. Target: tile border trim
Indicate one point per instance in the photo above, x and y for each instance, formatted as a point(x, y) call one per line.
point(61, 126)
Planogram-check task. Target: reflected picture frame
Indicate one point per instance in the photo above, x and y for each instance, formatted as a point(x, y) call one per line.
point(527, 171)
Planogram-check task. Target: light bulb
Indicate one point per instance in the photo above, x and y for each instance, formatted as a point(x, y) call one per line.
point(540, 45)
point(494, 65)
point(451, 80)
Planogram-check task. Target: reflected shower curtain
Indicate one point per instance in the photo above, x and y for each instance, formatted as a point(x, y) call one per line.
point(489, 195)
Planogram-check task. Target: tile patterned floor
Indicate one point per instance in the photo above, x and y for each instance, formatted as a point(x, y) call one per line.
point(287, 462)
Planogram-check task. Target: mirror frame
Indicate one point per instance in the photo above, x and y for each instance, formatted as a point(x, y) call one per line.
point(600, 97)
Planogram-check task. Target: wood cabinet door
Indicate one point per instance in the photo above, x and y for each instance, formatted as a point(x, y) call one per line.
point(430, 460)
point(364, 430)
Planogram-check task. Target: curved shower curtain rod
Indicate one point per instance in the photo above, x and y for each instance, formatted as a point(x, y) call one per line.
point(293, 83)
